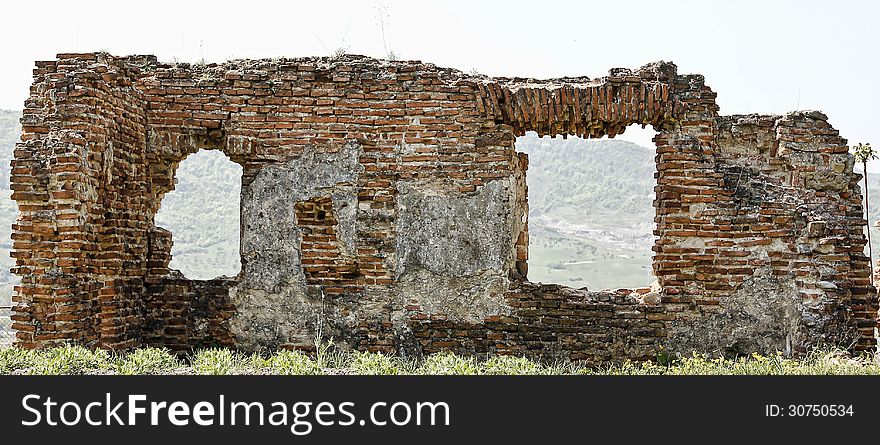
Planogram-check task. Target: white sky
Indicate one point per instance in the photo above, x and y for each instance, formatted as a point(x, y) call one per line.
point(764, 57)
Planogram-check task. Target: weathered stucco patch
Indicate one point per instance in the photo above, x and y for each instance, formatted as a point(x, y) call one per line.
point(274, 304)
point(270, 238)
point(454, 249)
point(454, 234)
point(763, 314)
point(267, 320)
point(470, 299)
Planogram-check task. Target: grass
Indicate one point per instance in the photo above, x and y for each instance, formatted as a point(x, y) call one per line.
point(147, 361)
point(374, 363)
point(292, 363)
point(218, 362)
point(75, 360)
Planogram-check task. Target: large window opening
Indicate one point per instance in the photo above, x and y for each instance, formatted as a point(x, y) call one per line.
point(591, 213)
point(203, 215)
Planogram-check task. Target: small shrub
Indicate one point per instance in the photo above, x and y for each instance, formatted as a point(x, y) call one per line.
point(14, 360)
point(373, 363)
point(446, 363)
point(147, 361)
point(509, 365)
point(216, 361)
point(836, 362)
point(251, 364)
point(627, 368)
point(328, 355)
point(292, 363)
point(565, 368)
point(340, 52)
point(71, 360)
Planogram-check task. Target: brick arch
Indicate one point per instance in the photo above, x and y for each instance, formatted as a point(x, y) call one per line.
point(584, 107)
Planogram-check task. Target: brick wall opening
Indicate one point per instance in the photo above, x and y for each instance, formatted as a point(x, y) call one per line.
point(591, 213)
point(203, 214)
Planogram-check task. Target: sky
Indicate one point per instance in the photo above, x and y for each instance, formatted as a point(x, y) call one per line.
point(760, 57)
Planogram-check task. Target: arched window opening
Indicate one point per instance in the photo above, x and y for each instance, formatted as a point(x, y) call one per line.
point(203, 215)
point(591, 214)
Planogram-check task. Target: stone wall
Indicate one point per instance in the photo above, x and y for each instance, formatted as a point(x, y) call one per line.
point(383, 205)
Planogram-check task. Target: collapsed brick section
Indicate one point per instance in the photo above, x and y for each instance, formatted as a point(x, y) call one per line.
point(384, 203)
point(322, 261)
point(552, 321)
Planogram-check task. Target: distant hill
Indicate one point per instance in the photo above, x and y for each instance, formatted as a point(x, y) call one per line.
point(591, 213)
point(10, 132)
point(203, 214)
point(590, 222)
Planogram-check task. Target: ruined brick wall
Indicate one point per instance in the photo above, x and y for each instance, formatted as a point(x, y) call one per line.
point(78, 239)
point(383, 204)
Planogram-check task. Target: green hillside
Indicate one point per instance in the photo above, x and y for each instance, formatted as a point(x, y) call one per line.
point(10, 131)
point(591, 213)
point(202, 213)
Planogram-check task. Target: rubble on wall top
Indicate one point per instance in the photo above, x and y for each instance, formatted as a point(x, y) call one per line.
point(655, 71)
